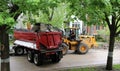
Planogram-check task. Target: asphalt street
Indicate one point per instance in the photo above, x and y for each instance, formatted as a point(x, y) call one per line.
point(94, 57)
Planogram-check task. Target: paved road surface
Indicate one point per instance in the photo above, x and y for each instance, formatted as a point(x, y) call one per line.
point(94, 57)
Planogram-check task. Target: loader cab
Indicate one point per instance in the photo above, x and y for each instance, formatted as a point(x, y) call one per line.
point(71, 33)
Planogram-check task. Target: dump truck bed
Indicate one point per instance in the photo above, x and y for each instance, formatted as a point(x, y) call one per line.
point(50, 40)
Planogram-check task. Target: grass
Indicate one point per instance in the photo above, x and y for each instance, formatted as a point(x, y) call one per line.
point(117, 67)
point(98, 68)
point(81, 69)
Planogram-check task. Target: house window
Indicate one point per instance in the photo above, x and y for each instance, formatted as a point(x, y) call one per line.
point(97, 27)
point(75, 25)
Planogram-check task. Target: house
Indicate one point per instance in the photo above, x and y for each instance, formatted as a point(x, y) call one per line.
point(84, 28)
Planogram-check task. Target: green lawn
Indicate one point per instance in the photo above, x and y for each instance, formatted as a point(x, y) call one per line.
point(98, 68)
point(116, 67)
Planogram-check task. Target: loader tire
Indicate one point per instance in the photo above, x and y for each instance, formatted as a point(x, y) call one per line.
point(64, 49)
point(82, 48)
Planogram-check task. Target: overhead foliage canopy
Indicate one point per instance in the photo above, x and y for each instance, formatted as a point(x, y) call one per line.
point(47, 11)
point(97, 11)
point(93, 11)
point(5, 17)
point(104, 12)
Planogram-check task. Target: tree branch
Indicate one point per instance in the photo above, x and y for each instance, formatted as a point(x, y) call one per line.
point(117, 33)
point(51, 16)
point(118, 26)
point(118, 16)
point(107, 20)
point(118, 19)
point(113, 18)
point(114, 24)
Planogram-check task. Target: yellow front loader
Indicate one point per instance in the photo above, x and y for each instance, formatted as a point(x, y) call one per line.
point(79, 43)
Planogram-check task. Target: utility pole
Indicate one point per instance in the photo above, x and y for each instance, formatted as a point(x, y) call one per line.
point(4, 48)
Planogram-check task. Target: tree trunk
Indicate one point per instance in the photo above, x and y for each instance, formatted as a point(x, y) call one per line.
point(109, 65)
point(4, 46)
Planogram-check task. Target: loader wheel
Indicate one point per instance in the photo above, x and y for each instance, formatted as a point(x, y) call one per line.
point(82, 48)
point(19, 50)
point(64, 49)
point(30, 56)
point(37, 60)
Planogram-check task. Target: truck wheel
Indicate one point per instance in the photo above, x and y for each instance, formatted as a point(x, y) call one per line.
point(19, 50)
point(56, 60)
point(37, 60)
point(64, 49)
point(57, 57)
point(82, 48)
point(30, 56)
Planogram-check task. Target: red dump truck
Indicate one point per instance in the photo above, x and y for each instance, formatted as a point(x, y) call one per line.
point(41, 42)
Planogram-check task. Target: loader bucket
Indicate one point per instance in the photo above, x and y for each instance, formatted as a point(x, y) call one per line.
point(89, 40)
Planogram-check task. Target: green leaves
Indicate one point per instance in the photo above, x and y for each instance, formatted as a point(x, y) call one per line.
point(57, 18)
point(10, 21)
point(6, 19)
point(1, 20)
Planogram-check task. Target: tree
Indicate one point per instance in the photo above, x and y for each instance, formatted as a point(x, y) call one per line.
point(45, 11)
point(105, 12)
point(6, 21)
point(51, 12)
point(8, 16)
point(58, 17)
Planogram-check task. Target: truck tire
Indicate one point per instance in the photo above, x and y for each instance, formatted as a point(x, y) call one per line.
point(56, 60)
point(82, 48)
point(64, 48)
point(19, 50)
point(30, 56)
point(37, 60)
point(57, 57)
